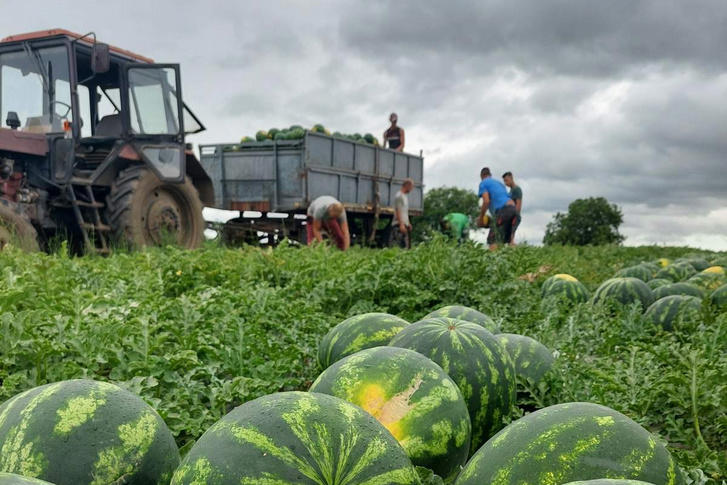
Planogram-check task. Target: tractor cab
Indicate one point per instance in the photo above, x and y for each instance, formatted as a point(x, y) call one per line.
point(76, 114)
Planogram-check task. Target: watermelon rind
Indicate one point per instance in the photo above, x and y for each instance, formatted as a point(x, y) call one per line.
point(642, 272)
point(609, 481)
point(718, 298)
point(412, 397)
point(624, 291)
point(357, 333)
point(672, 309)
point(685, 288)
point(482, 369)
point(564, 288)
point(13, 479)
point(296, 437)
point(108, 434)
point(567, 442)
point(531, 358)
point(467, 314)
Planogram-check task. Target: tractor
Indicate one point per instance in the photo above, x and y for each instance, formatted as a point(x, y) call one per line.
point(93, 149)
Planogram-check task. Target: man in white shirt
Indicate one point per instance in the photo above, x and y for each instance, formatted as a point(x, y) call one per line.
point(327, 213)
point(401, 230)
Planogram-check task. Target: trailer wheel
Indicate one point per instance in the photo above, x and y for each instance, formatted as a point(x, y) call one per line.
point(16, 231)
point(144, 211)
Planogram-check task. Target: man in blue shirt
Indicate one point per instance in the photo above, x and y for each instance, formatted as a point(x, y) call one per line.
point(497, 200)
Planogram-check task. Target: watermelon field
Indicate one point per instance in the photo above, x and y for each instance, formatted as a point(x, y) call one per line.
point(198, 333)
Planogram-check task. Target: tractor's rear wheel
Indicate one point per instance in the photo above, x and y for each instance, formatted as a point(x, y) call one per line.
point(145, 211)
point(16, 231)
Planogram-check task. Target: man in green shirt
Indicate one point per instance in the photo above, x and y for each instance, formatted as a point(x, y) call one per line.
point(457, 224)
point(516, 194)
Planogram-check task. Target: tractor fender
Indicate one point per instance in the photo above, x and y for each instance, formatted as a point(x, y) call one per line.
point(201, 181)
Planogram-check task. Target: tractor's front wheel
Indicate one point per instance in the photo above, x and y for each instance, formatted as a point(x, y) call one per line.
point(16, 231)
point(145, 211)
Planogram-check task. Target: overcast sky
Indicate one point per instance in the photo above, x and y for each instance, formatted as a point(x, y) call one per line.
point(625, 99)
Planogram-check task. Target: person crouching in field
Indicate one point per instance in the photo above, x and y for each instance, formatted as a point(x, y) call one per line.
point(456, 225)
point(497, 200)
point(327, 213)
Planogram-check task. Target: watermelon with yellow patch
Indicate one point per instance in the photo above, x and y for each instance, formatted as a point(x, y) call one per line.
point(13, 479)
point(709, 279)
point(357, 333)
point(83, 432)
point(531, 358)
point(476, 362)
point(609, 481)
point(564, 287)
point(467, 314)
point(571, 441)
point(293, 438)
point(412, 397)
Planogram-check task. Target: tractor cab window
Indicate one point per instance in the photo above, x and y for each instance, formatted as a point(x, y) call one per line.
point(153, 103)
point(35, 83)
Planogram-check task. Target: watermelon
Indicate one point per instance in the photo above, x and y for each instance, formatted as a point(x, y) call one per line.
point(676, 272)
point(261, 135)
point(678, 289)
point(608, 481)
point(296, 437)
point(699, 264)
point(662, 262)
point(624, 291)
point(319, 129)
point(639, 271)
point(467, 314)
point(413, 397)
point(658, 283)
point(532, 359)
point(475, 361)
point(357, 333)
point(85, 432)
point(12, 479)
point(719, 298)
point(708, 281)
point(571, 441)
point(715, 269)
point(651, 266)
point(720, 261)
point(671, 309)
point(566, 288)
point(273, 131)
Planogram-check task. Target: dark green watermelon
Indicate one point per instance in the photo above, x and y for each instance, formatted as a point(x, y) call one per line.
point(678, 289)
point(671, 309)
point(83, 432)
point(676, 272)
point(608, 481)
point(719, 261)
point(12, 479)
point(532, 359)
point(625, 291)
point(475, 361)
point(642, 272)
point(653, 267)
point(708, 281)
point(718, 298)
point(698, 263)
point(658, 283)
point(412, 397)
point(357, 333)
point(296, 437)
point(564, 287)
point(467, 314)
point(572, 441)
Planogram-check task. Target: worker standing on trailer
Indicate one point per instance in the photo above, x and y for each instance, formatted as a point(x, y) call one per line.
point(402, 226)
point(327, 213)
point(394, 136)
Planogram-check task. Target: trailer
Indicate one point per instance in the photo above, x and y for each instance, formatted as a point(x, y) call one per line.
point(271, 184)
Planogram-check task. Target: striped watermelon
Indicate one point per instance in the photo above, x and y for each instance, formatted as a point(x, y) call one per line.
point(357, 333)
point(572, 441)
point(653, 267)
point(467, 314)
point(672, 309)
point(719, 298)
point(624, 291)
point(609, 481)
point(720, 261)
point(413, 397)
point(678, 289)
point(12, 479)
point(699, 264)
point(532, 359)
point(658, 283)
point(475, 361)
point(565, 287)
point(296, 437)
point(85, 432)
point(676, 272)
point(708, 281)
point(640, 271)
